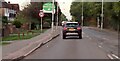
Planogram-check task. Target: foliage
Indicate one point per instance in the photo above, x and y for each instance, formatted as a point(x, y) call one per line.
point(4, 20)
point(63, 17)
point(17, 24)
point(93, 10)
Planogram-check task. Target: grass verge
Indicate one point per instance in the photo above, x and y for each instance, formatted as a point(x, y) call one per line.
point(27, 35)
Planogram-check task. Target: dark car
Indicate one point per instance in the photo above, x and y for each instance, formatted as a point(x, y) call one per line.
point(72, 27)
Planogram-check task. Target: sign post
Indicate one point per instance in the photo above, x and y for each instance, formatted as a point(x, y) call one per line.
point(49, 7)
point(41, 14)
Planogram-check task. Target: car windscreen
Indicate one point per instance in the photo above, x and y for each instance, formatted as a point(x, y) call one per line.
point(72, 24)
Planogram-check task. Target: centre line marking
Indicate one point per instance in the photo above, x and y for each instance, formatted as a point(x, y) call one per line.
point(115, 56)
point(100, 46)
point(110, 56)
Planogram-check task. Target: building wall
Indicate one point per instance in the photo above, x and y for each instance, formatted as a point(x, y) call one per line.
point(0, 11)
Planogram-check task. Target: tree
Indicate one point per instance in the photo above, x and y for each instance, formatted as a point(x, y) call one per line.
point(17, 24)
point(116, 9)
point(92, 10)
point(63, 17)
point(4, 20)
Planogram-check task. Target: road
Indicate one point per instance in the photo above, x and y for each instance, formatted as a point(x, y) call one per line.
point(94, 45)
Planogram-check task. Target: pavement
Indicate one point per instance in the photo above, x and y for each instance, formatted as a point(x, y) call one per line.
point(94, 45)
point(19, 48)
point(0, 52)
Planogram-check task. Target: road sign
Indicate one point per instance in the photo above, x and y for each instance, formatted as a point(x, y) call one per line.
point(41, 14)
point(47, 8)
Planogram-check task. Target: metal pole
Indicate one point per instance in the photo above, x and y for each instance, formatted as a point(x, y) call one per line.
point(82, 13)
point(102, 17)
point(52, 15)
point(57, 16)
point(98, 25)
point(41, 24)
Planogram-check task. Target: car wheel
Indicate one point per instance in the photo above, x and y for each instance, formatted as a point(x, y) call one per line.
point(64, 36)
point(80, 36)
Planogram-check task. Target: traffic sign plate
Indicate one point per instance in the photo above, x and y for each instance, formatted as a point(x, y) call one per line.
point(47, 8)
point(41, 14)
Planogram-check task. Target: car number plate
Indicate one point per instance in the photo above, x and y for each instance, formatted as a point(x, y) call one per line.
point(71, 29)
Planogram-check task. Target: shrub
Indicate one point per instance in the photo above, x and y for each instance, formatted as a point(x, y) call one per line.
point(17, 23)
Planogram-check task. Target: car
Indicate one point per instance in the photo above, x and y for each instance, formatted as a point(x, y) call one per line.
point(63, 22)
point(72, 27)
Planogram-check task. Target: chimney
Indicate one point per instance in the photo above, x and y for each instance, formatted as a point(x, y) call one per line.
point(8, 2)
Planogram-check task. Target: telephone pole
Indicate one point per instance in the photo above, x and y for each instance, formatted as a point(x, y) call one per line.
point(102, 16)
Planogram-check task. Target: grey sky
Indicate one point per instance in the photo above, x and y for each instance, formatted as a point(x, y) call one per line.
point(65, 8)
point(64, 5)
point(22, 3)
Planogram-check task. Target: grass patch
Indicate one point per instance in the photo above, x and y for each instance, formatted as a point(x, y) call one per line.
point(4, 43)
point(27, 35)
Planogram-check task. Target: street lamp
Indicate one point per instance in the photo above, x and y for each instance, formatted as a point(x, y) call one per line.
point(102, 16)
point(52, 15)
point(82, 13)
point(57, 15)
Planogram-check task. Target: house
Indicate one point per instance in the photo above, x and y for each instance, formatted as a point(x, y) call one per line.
point(13, 10)
point(9, 10)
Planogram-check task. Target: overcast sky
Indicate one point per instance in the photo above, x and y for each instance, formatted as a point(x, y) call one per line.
point(64, 5)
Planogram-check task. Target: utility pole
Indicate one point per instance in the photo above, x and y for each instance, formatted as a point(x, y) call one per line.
point(82, 13)
point(52, 15)
point(102, 16)
point(57, 16)
point(98, 24)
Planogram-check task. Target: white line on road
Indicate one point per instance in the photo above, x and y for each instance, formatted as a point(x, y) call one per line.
point(110, 56)
point(105, 39)
point(90, 38)
point(100, 46)
point(115, 56)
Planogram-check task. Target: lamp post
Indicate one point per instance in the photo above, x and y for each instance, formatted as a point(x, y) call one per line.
point(57, 16)
point(102, 16)
point(52, 15)
point(82, 13)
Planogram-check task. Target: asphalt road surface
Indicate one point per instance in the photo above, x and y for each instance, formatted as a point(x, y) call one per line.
point(94, 45)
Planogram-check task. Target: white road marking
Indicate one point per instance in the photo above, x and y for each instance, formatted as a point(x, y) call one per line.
point(90, 38)
point(115, 56)
point(100, 46)
point(110, 56)
point(105, 39)
point(47, 46)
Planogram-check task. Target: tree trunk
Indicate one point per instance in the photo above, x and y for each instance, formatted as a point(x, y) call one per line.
point(30, 26)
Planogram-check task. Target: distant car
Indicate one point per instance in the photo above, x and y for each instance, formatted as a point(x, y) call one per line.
point(63, 22)
point(72, 27)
